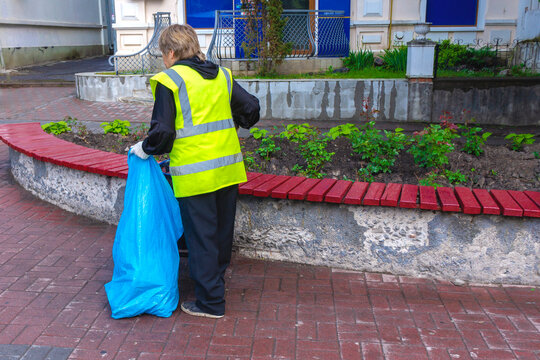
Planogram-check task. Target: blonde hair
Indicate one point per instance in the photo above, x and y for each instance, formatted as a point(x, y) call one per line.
point(182, 40)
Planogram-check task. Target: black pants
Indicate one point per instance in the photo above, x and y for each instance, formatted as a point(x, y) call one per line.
point(209, 227)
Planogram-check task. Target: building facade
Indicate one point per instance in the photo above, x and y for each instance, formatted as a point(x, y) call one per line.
point(375, 24)
point(33, 32)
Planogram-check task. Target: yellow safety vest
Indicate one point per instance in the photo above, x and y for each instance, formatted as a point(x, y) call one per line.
point(206, 154)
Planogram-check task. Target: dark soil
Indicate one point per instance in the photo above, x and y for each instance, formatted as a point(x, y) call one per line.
point(497, 168)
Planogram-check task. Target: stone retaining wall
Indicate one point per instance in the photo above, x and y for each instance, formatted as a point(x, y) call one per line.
point(414, 242)
point(491, 101)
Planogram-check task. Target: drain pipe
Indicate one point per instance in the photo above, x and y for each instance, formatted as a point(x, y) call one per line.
point(390, 25)
point(2, 63)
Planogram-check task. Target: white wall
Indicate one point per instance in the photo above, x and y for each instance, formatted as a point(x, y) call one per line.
point(39, 24)
point(529, 20)
point(50, 23)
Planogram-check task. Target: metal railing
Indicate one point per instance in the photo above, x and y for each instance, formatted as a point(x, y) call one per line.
point(310, 32)
point(500, 54)
point(148, 60)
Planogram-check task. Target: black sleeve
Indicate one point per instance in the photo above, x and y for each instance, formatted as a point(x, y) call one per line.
point(245, 107)
point(161, 135)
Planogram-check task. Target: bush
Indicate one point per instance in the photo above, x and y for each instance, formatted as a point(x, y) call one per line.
point(451, 55)
point(56, 127)
point(431, 146)
point(116, 127)
point(358, 60)
point(312, 147)
point(396, 59)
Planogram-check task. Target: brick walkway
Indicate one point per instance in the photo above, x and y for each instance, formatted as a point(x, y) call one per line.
point(55, 103)
point(53, 266)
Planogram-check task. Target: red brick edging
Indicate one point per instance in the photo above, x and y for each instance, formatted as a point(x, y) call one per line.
point(31, 140)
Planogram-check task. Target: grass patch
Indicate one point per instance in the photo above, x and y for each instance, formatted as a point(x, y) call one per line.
point(367, 73)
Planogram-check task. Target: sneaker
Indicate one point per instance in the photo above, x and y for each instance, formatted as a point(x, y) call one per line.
point(189, 307)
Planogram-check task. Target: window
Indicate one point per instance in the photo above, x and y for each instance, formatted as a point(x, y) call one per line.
point(452, 13)
point(201, 14)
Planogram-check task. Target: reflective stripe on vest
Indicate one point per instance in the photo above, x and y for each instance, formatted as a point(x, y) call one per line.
point(205, 165)
point(189, 129)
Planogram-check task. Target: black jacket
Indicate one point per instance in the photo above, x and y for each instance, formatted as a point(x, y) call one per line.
point(244, 106)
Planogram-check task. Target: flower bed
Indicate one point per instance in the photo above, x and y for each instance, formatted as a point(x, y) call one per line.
point(355, 225)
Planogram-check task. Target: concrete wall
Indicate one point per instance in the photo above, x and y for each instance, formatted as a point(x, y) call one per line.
point(528, 20)
point(39, 31)
point(496, 101)
point(491, 101)
point(479, 248)
point(97, 87)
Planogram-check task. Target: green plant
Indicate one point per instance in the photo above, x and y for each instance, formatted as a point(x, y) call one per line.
point(480, 58)
point(264, 34)
point(431, 146)
point(140, 131)
point(474, 141)
point(249, 161)
point(312, 147)
point(116, 127)
point(455, 177)
point(450, 55)
point(430, 180)
point(379, 151)
point(56, 128)
point(346, 130)
point(517, 141)
point(268, 146)
point(358, 60)
point(535, 153)
point(493, 172)
point(395, 59)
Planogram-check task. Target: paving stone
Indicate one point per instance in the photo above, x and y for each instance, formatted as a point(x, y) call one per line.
point(54, 260)
point(12, 350)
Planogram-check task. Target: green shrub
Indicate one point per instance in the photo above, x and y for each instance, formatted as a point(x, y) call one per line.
point(517, 141)
point(346, 130)
point(56, 127)
point(268, 146)
point(396, 59)
point(431, 146)
point(116, 127)
point(451, 55)
point(478, 59)
point(379, 151)
point(312, 147)
point(474, 141)
point(358, 60)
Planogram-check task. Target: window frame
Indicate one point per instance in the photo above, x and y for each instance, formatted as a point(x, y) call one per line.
point(480, 19)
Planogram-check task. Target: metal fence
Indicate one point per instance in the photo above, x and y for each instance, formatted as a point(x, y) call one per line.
point(148, 60)
point(502, 54)
point(527, 54)
point(311, 33)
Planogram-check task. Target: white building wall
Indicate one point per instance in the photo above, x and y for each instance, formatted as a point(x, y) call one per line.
point(372, 21)
point(37, 31)
point(528, 26)
point(375, 24)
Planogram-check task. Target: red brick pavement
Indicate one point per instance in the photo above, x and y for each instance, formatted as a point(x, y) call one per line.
point(53, 266)
point(55, 103)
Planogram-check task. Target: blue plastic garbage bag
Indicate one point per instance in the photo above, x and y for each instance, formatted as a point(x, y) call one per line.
point(145, 252)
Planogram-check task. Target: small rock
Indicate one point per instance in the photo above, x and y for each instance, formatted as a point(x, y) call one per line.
point(505, 72)
point(459, 282)
point(342, 70)
point(378, 61)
